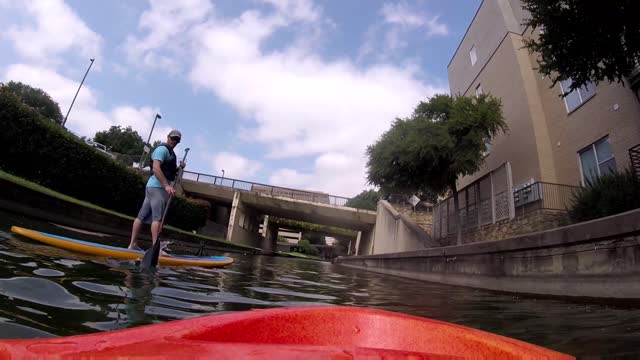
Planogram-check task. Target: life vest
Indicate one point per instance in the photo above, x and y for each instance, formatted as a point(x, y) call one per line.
point(169, 167)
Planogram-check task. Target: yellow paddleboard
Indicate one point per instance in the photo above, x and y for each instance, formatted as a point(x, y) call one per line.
point(90, 248)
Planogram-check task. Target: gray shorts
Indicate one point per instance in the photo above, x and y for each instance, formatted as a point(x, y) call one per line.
point(154, 202)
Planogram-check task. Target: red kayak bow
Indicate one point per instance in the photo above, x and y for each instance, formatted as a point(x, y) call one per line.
point(319, 332)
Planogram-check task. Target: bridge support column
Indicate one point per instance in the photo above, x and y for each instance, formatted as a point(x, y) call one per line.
point(270, 241)
point(244, 224)
point(364, 242)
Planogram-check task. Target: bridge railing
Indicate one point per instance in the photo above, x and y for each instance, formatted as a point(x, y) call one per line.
point(311, 196)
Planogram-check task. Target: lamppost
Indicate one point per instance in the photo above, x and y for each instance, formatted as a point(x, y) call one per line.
point(74, 98)
point(222, 180)
point(147, 146)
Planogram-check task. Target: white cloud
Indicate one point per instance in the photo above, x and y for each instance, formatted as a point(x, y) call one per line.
point(85, 118)
point(234, 165)
point(165, 25)
point(298, 104)
point(286, 177)
point(53, 28)
point(302, 10)
point(401, 14)
point(400, 23)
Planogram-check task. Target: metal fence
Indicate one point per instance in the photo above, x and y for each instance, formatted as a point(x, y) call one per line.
point(316, 197)
point(488, 200)
point(543, 195)
point(483, 202)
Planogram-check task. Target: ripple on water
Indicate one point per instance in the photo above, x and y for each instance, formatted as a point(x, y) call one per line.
point(68, 263)
point(11, 330)
point(48, 272)
point(291, 293)
point(15, 255)
point(41, 291)
point(30, 264)
point(168, 313)
point(190, 285)
point(161, 300)
point(207, 298)
point(102, 289)
point(300, 303)
point(289, 279)
point(33, 311)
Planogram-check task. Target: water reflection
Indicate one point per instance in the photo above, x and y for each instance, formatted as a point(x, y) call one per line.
point(46, 291)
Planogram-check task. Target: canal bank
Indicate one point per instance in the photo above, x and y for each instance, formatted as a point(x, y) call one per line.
point(44, 204)
point(598, 258)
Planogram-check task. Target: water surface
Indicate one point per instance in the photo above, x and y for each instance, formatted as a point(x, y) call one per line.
point(47, 292)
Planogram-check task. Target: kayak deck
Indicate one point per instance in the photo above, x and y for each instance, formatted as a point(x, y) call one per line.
point(90, 248)
point(336, 332)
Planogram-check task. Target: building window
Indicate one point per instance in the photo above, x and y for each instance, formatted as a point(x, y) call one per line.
point(479, 90)
point(473, 55)
point(597, 160)
point(577, 97)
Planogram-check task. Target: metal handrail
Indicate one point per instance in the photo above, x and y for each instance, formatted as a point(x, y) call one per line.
point(237, 184)
point(552, 196)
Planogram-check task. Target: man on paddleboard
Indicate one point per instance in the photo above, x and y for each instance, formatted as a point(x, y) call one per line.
point(164, 170)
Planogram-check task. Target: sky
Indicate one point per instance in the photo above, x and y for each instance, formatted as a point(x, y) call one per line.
point(284, 92)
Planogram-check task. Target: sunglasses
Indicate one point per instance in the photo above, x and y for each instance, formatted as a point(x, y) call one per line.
point(175, 138)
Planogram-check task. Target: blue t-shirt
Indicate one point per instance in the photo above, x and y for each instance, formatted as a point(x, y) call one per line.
point(161, 153)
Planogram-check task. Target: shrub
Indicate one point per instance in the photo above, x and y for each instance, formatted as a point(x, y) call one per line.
point(606, 195)
point(307, 248)
point(188, 214)
point(45, 153)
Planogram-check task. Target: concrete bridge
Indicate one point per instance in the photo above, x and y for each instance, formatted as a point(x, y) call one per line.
point(238, 208)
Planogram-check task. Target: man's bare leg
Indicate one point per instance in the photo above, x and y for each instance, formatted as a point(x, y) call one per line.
point(155, 231)
point(135, 230)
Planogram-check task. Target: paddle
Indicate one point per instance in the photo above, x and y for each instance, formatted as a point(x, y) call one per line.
point(150, 258)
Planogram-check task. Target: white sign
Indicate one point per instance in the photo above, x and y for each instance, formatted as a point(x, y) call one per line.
point(146, 149)
point(414, 200)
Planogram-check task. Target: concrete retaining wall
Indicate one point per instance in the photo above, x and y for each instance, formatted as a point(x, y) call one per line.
point(599, 258)
point(395, 232)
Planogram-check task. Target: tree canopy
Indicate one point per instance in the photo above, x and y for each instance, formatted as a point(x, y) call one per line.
point(37, 99)
point(367, 199)
point(314, 238)
point(121, 140)
point(585, 41)
point(442, 140)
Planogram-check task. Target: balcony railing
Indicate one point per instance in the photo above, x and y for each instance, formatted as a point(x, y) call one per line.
point(543, 195)
point(316, 197)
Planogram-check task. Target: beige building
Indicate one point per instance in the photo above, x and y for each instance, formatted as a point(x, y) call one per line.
point(550, 139)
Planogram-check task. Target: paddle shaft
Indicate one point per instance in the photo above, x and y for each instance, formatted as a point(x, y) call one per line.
point(150, 258)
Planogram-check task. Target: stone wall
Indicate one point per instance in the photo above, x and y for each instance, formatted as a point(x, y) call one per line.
point(537, 220)
point(422, 218)
point(598, 258)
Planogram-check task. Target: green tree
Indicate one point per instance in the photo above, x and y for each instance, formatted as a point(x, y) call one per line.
point(121, 140)
point(314, 238)
point(586, 41)
point(307, 247)
point(367, 199)
point(37, 99)
point(442, 140)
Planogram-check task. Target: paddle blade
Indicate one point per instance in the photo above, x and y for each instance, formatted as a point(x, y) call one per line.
point(150, 258)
